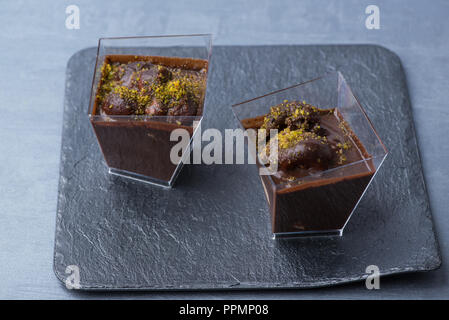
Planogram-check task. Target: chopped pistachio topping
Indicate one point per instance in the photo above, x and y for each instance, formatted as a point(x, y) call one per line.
point(170, 93)
point(299, 121)
point(175, 91)
point(288, 138)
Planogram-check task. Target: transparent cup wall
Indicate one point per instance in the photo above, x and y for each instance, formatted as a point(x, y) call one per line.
point(319, 204)
point(138, 147)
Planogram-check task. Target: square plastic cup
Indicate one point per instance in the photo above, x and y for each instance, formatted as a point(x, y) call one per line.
point(138, 147)
point(322, 203)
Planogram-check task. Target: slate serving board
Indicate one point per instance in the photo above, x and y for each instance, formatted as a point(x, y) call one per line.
point(212, 231)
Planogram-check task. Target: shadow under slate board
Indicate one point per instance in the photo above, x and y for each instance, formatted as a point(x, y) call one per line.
point(212, 231)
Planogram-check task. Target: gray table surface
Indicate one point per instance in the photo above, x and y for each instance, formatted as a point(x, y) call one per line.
point(36, 46)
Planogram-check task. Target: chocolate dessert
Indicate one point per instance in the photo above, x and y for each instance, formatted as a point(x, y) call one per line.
point(323, 168)
point(139, 101)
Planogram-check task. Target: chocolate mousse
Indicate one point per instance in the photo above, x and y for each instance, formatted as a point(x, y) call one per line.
point(139, 101)
point(323, 168)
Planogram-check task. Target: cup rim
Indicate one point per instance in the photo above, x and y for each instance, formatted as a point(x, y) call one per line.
point(98, 117)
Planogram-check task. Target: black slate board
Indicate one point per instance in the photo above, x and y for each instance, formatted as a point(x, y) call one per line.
point(212, 231)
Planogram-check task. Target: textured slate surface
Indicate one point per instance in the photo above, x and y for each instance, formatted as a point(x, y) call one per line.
point(212, 230)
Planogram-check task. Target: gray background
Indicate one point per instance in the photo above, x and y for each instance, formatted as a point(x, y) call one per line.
point(35, 49)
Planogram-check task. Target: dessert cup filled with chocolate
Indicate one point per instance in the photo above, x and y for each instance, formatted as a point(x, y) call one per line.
point(143, 89)
point(327, 153)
